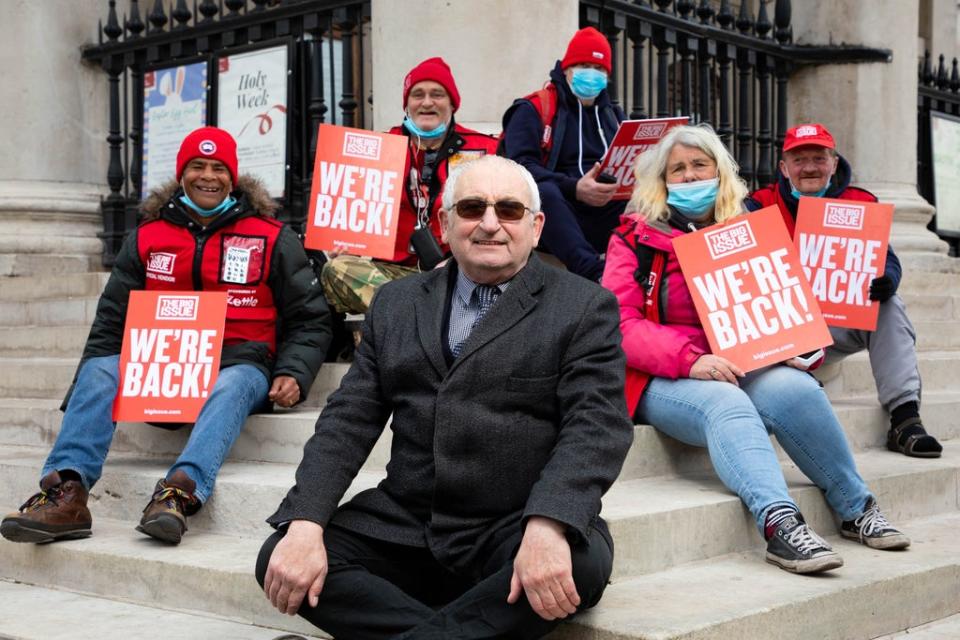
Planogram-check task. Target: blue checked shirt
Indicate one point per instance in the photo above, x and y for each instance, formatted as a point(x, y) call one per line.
point(463, 310)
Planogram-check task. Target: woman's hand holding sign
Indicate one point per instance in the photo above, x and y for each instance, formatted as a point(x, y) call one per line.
point(711, 367)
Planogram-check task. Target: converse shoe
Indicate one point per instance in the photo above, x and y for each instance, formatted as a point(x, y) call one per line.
point(873, 530)
point(165, 516)
point(58, 512)
point(796, 548)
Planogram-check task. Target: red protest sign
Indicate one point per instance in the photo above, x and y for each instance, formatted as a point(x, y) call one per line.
point(633, 138)
point(843, 247)
point(170, 355)
point(751, 297)
point(355, 198)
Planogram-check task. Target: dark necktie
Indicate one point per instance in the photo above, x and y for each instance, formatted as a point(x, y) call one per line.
point(485, 295)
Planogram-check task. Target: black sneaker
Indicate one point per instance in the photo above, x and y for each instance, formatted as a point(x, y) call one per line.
point(873, 530)
point(795, 547)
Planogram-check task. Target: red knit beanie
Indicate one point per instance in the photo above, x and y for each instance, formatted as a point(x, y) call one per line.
point(588, 46)
point(432, 69)
point(211, 143)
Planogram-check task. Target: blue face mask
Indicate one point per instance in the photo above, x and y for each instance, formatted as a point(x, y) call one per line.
point(693, 199)
point(819, 194)
point(588, 83)
point(426, 135)
point(228, 202)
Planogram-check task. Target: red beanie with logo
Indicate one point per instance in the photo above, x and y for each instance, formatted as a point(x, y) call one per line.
point(432, 69)
point(588, 46)
point(210, 143)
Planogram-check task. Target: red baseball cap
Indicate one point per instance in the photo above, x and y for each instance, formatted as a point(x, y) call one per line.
point(432, 69)
point(808, 134)
point(211, 143)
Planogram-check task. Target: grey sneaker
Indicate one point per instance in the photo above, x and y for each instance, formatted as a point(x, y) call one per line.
point(795, 547)
point(873, 530)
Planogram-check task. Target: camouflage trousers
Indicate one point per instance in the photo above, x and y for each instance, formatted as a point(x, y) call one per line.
point(349, 282)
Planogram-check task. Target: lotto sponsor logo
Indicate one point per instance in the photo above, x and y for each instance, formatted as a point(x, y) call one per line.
point(161, 263)
point(357, 145)
point(844, 216)
point(729, 240)
point(653, 130)
point(806, 130)
point(177, 307)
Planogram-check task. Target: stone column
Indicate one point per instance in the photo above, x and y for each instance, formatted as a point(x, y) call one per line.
point(53, 169)
point(871, 108)
point(498, 50)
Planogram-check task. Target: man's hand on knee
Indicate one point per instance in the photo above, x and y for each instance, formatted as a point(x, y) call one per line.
point(285, 391)
point(543, 570)
point(298, 567)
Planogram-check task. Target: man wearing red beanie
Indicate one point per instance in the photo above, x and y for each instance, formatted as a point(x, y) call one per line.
point(559, 134)
point(436, 144)
point(209, 229)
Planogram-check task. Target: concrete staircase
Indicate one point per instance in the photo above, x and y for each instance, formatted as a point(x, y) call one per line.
point(689, 562)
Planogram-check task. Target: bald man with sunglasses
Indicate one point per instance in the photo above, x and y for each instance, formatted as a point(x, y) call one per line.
point(504, 380)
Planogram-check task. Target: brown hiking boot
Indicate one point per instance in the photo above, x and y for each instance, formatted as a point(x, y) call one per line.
point(165, 517)
point(58, 512)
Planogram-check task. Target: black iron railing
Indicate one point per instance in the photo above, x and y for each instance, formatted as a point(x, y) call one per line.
point(703, 60)
point(328, 55)
point(938, 96)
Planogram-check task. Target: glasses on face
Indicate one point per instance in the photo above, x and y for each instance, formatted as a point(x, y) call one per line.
point(474, 208)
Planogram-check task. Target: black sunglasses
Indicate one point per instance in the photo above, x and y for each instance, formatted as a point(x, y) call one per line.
point(474, 208)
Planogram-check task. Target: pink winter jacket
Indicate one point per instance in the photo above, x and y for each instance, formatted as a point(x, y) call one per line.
point(668, 348)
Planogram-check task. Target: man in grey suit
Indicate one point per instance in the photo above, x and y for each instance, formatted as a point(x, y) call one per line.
point(504, 378)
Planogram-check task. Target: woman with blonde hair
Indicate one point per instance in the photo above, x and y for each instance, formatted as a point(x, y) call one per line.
point(687, 182)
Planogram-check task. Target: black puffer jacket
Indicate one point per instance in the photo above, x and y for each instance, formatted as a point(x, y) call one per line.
point(303, 325)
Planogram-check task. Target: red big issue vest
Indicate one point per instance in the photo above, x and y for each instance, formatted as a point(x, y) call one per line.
point(235, 259)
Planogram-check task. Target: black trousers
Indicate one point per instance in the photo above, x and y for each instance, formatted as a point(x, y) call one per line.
point(377, 589)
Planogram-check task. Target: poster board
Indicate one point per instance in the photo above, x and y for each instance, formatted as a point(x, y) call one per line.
point(633, 138)
point(749, 290)
point(843, 247)
point(356, 191)
point(170, 356)
point(174, 104)
point(253, 88)
point(945, 151)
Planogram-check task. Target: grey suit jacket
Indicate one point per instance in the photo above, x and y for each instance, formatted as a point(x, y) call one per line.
point(529, 420)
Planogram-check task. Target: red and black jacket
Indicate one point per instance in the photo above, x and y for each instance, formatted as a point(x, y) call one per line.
point(277, 318)
point(459, 145)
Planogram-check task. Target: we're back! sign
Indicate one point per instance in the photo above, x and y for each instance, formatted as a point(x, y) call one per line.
point(170, 356)
point(750, 292)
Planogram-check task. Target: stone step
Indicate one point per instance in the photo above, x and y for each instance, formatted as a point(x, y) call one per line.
point(207, 573)
point(28, 341)
point(934, 335)
point(68, 615)
point(740, 596)
point(32, 264)
point(280, 436)
point(657, 522)
point(932, 306)
point(49, 312)
point(944, 629)
point(63, 285)
point(854, 377)
point(50, 377)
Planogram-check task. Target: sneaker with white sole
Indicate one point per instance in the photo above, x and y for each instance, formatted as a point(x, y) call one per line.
point(796, 548)
point(872, 529)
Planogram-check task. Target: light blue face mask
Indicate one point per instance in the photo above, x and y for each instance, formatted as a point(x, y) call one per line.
point(228, 202)
point(588, 83)
point(426, 135)
point(818, 194)
point(693, 199)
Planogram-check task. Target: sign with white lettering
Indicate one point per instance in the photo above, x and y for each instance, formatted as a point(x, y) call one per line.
point(170, 355)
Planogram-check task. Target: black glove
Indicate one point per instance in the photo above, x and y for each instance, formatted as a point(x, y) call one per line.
point(882, 289)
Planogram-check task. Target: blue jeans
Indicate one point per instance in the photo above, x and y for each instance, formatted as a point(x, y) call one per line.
point(734, 424)
point(87, 427)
